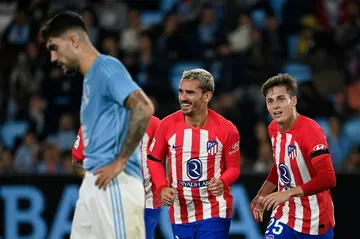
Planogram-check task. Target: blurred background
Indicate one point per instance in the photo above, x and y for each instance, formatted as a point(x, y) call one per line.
point(241, 42)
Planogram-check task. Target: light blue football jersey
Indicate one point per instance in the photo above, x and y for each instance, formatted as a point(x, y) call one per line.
point(104, 118)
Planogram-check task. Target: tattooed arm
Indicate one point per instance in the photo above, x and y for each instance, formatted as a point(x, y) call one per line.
point(78, 168)
point(141, 111)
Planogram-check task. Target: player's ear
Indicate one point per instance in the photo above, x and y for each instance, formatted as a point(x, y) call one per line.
point(294, 101)
point(208, 96)
point(74, 38)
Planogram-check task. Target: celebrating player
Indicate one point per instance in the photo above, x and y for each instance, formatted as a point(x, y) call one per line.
point(114, 116)
point(152, 198)
point(302, 170)
point(204, 160)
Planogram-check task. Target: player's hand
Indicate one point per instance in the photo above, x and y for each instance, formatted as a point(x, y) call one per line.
point(167, 196)
point(216, 187)
point(107, 173)
point(257, 208)
point(273, 200)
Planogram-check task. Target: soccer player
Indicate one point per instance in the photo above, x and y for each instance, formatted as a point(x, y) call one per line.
point(302, 207)
point(204, 160)
point(114, 116)
point(152, 198)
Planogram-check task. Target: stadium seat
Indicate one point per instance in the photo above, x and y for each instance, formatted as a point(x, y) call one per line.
point(277, 6)
point(151, 18)
point(301, 72)
point(258, 16)
point(324, 124)
point(352, 130)
point(167, 5)
point(177, 70)
point(12, 129)
point(292, 45)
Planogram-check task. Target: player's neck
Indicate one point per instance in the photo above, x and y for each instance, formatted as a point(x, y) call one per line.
point(286, 126)
point(198, 120)
point(86, 60)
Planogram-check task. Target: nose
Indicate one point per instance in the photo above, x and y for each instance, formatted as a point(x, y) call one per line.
point(54, 56)
point(182, 96)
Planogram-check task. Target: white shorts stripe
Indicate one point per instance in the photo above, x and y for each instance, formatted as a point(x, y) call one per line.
point(114, 208)
point(120, 209)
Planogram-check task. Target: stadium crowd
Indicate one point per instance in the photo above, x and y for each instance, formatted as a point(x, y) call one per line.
point(241, 42)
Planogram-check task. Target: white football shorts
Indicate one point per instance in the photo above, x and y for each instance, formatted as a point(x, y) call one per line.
point(117, 213)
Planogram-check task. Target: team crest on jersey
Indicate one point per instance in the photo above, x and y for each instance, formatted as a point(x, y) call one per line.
point(212, 147)
point(292, 152)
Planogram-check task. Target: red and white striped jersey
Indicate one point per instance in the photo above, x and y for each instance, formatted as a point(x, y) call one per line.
point(293, 152)
point(152, 198)
point(196, 155)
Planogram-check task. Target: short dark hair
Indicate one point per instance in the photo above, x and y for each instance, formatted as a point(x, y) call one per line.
point(60, 23)
point(280, 80)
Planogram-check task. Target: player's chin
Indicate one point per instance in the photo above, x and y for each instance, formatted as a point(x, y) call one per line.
point(186, 111)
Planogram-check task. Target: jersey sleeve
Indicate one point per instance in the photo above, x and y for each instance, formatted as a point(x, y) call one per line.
point(315, 144)
point(159, 146)
point(78, 149)
point(151, 130)
point(119, 84)
point(231, 157)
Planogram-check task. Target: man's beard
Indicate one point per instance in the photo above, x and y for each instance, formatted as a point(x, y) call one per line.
point(71, 71)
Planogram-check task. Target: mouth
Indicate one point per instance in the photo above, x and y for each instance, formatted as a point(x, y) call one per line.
point(278, 114)
point(185, 105)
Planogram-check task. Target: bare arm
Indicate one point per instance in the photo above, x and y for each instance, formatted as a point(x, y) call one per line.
point(267, 188)
point(141, 111)
point(78, 168)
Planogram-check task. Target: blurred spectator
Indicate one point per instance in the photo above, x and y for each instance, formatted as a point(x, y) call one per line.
point(110, 47)
point(265, 160)
point(240, 38)
point(18, 33)
point(338, 141)
point(65, 137)
point(171, 39)
point(91, 24)
point(353, 162)
point(26, 156)
point(207, 34)
point(112, 14)
point(67, 162)
point(50, 162)
point(6, 162)
point(129, 42)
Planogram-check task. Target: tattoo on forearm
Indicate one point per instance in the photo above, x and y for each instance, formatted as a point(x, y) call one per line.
point(78, 168)
point(141, 112)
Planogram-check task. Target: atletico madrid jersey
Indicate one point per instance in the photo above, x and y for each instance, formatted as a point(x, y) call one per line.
point(293, 153)
point(196, 155)
point(152, 198)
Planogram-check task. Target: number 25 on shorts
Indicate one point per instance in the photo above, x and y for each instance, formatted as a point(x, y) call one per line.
point(274, 227)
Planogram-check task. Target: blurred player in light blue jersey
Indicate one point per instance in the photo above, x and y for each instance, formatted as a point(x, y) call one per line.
point(114, 116)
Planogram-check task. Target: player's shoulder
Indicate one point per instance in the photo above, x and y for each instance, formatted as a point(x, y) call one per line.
point(110, 66)
point(154, 122)
point(172, 118)
point(273, 127)
point(221, 121)
point(308, 124)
